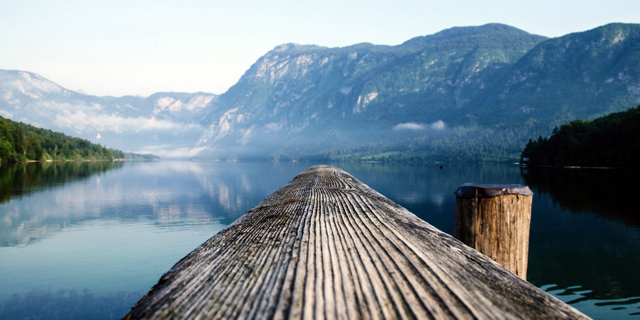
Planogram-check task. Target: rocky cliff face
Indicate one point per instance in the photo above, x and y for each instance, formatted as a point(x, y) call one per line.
point(298, 100)
point(310, 96)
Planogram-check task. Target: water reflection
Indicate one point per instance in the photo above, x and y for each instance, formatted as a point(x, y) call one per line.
point(117, 228)
point(585, 244)
point(116, 232)
point(188, 194)
point(17, 179)
point(576, 296)
point(28, 220)
point(608, 193)
point(171, 194)
point(67, 304)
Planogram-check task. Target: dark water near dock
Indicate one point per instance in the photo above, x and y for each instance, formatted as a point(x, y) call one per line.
point(87, 240)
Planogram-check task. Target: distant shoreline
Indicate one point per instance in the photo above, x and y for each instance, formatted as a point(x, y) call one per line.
point(77, 160)
point(524, 165)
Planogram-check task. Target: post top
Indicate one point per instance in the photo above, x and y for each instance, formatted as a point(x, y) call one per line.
point(474, 190)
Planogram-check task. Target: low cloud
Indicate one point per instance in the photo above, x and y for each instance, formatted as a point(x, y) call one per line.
point(81, 120)
point(438, 125)
point(185, 152)
point(164, 151)
point(409, 126)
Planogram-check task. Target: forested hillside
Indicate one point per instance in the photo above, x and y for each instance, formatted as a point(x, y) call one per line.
point(609, 141)
point(463, 94)
point(21, 142)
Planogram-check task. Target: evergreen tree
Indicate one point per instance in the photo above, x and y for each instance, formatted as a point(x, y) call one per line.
point(609, 141)
point(20, 142)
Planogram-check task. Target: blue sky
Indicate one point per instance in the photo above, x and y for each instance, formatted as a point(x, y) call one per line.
point(141, 47)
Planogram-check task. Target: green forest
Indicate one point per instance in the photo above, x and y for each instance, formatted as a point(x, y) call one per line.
point(23, 142)
point(609, 141)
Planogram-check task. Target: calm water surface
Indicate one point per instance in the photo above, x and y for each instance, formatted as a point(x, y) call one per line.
point(87, 240)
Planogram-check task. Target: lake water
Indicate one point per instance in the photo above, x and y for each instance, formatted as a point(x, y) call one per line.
point(87, 240)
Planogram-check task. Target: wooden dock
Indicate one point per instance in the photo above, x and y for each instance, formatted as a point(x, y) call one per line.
point(327, 246)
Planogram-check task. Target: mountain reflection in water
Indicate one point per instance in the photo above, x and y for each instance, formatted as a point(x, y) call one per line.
point(101, 234)
point(22, 179)
point(169, 193)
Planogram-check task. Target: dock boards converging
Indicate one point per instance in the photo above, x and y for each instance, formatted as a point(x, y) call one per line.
point(326, 246)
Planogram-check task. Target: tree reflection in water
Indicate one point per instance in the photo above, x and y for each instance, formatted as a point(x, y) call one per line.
point(585, 237)
point(19, 179)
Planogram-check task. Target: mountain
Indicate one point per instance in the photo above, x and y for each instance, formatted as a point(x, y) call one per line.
point(165, 122)
point(463, 94)
point(299, 100)
point(466, 93)
point(581, 75)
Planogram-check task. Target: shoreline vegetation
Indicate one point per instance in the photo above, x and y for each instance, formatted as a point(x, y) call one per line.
point(21, 142)
point(611, 141)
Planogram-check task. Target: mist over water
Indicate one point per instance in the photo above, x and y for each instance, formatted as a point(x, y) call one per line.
point(87, 240)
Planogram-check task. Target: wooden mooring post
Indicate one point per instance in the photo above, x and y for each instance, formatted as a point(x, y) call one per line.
point(495, 220)
point(327, 246)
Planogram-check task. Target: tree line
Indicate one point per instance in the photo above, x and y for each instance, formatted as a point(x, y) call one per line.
point(608, 141)
point(23, 142)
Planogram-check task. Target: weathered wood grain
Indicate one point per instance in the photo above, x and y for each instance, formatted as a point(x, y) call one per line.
point(497, 225)
point(327, 246)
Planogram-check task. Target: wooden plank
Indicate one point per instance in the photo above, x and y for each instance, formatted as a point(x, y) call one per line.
point(327, 246)
point(495, 220)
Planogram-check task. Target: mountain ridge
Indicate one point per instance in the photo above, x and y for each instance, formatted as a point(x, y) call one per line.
point(161, 123)
point(349, 78)
point(469, 80)
point(465, 93)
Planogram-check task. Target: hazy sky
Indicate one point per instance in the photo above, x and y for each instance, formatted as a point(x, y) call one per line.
point(141, 47)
